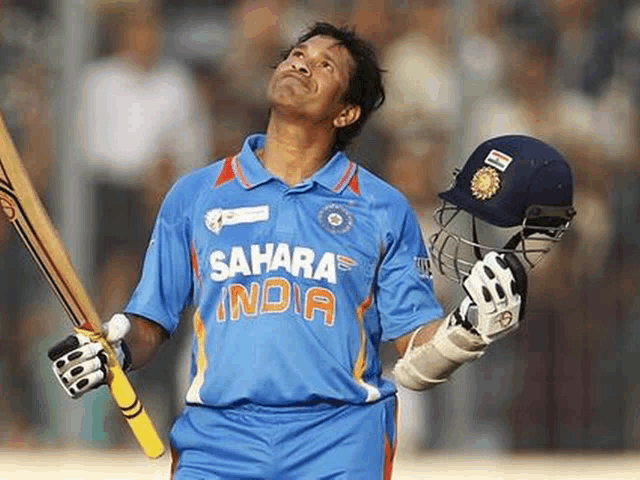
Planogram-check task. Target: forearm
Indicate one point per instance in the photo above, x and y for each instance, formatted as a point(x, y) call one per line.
point(491, 309)
point(423, 335)
point(431, 353)
point(143, 340)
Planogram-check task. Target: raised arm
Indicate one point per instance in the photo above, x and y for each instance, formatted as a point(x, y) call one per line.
point(491, 309)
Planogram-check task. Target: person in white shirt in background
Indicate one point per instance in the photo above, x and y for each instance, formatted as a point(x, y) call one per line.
point(139, 124)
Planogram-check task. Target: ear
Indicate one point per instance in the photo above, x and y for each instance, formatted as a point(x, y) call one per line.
point(348, 115)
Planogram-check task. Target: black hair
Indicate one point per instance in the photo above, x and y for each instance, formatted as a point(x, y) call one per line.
point(365, 81)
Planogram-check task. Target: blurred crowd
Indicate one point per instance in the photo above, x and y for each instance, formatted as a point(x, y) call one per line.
point(165, 87)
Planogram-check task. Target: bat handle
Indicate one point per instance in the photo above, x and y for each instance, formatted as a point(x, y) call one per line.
point(128, 401)
point(135, 414)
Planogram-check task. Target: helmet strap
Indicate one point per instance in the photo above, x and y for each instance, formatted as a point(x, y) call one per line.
point(513, 241)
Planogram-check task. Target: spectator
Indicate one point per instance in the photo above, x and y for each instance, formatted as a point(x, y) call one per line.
point(482, 49)
point(137, 117)
point(256, 33)
point(140, 125)
point(26, 82)
point(231, 113)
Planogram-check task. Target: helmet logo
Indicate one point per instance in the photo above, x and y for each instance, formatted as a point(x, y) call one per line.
point(485, 183)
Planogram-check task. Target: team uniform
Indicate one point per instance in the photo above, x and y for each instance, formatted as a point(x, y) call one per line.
point(294, 289)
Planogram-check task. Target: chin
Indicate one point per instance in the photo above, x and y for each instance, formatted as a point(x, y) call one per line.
point(283, 100)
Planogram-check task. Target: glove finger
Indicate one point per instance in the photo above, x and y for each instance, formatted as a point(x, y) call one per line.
point(87, 367)
point(464, 306)
point(86, 383)
point(471, 284)
point(504, 277)
point(67, 345)
point(521, 280)
point(76, 357)
point(518, 271)
point(480, 286)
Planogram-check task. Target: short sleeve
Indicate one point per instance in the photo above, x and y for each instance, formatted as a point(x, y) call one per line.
point(405, 294)
point(166, 282)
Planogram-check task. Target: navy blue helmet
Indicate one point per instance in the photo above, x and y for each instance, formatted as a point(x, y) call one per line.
point(517, 183)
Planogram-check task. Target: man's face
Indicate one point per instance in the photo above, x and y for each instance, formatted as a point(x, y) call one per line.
point(142, 38)
point(312, 80)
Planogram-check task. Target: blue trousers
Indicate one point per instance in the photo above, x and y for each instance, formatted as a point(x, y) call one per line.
point(320, 442)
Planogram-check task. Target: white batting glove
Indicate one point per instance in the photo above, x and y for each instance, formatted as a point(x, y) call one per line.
point(493, 303)
point(80, 364)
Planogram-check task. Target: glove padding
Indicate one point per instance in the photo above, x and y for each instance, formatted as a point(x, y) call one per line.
point(496, 289)
point(431, 363)
point(80, 363)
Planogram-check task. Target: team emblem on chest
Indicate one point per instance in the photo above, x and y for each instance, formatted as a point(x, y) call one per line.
point(335, 218)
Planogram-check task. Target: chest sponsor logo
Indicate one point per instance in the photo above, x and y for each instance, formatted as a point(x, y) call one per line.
point(335, 218)
point(298, 261)
point(217, 218)
point(275, 292)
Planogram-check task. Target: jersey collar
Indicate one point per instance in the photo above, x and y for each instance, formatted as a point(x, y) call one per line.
point(246, 166)
point(335, 175)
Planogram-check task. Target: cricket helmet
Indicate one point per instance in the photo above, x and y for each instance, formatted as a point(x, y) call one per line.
point(517, 183)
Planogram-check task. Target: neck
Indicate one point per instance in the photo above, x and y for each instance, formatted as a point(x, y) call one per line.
point(294, 152)
point(140, 62)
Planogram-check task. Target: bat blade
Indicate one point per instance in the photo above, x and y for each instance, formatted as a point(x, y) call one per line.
point(23, 208)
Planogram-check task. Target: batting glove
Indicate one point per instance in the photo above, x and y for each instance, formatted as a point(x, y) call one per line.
point(80, 363)
point(496, 289)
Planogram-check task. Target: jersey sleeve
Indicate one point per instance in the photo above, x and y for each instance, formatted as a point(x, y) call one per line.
point(405, 295)
point(166, 283)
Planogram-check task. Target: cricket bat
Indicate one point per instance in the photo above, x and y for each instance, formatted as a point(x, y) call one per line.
point(25, 211)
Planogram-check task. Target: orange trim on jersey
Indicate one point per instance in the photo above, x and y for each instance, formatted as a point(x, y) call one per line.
point(346, 177)
point(226, 174)
point(391, 447)
point(354, 184)
point(361, 361)
point(239, 173)
point(194, 264)
point(389, 454)
point(175, 458)
point(202, 362)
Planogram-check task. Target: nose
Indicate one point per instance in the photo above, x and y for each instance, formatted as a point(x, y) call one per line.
point(299, 66)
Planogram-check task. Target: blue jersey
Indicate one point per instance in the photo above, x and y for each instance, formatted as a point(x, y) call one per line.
point(294, 288)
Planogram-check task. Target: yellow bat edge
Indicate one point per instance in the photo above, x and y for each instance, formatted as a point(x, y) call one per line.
point(135, 414)
point(128, 401)
point(23, 208)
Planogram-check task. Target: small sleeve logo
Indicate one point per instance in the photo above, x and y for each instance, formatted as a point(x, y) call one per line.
point(423, 266)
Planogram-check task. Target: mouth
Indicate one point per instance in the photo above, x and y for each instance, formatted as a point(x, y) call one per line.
point(293, 76)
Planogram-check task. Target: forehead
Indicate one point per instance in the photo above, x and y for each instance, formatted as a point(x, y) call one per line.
point(331, 47)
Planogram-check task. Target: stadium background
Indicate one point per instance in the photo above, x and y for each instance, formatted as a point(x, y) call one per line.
point(558, 399)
